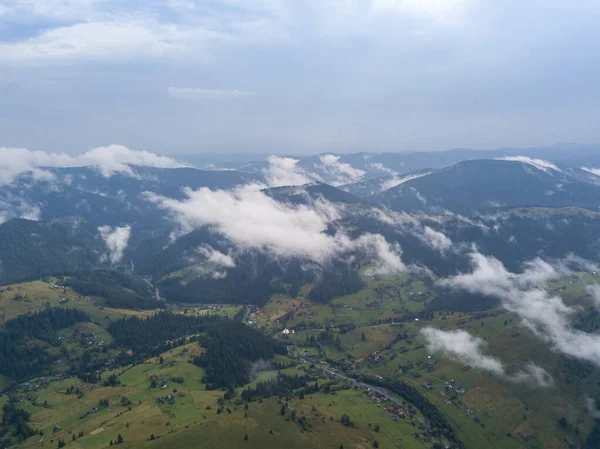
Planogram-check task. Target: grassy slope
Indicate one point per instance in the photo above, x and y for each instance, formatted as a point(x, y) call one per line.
point(514, 415)
point(527, 413)
point(188, 423)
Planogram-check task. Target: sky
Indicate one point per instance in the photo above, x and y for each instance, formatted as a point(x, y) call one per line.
point(298, 76)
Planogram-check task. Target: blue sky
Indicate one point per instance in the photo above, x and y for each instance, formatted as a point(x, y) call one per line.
point(298, 75)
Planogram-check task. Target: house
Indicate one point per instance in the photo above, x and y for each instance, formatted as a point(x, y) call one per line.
point(285, 332)
point(181, 394)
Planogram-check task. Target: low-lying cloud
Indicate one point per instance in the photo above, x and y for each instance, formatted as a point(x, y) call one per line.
point(397, 180)
point(524, 294)
point(462, 347)
point(216, 257)
point(340, 172)
point(108, 161)
point(410, 224)
point(284, 171)
point(540, 164)
point(116, 240)
point(594, 292)
point(252, 219)
point(593, 171)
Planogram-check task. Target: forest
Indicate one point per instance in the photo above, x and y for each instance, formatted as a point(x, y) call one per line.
point(117, 289)
point(230, 349)
point(20, 358)
point(146, 336)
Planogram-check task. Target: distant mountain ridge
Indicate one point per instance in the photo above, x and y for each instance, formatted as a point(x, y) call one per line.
point(378, 164)
point(477, 185)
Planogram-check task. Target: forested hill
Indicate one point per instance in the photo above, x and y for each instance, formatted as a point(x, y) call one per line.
point(31, 249)
point(481, 185)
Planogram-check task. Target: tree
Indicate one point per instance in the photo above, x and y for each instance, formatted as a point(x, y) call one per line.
point(111, 443)
point(562, 422)
point(346, 421)
point(246, 437)
point(341, 446)
point(152, 437)
point(363, 336)
point(376, 428)
point(282, 411)
point(119, 439)
point(375, 444)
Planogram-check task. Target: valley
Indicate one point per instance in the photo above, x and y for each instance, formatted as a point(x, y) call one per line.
point(356, 348)
point(220, 308)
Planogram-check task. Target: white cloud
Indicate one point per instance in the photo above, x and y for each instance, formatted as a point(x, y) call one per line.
point(412, 225)
point(463, 348)
point(62, 10)
point(378, 166)
point(18, 208)
point(341, 172)
point(573, 262)
point(594, 171)
point(252, 219)
point(108, 160)
point(594, 291)
point(190, 93)
point(436, 239)
point(116, 240)
point(284, 171)
point(540, 164)
point(216, 257)
point(396, 181)
point(113, 40)
point(523, 294)
point(390, 217)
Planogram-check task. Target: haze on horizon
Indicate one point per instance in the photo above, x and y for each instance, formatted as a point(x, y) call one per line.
point(289, 76)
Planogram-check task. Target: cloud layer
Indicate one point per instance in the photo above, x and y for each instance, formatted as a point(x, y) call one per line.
point(116, 240)
point(108, 160)
point(540, 164)
point(340, 172)
point(284, 171)
point(252, 219)
point(524, 294)
point(463, 348)
point(301, 57)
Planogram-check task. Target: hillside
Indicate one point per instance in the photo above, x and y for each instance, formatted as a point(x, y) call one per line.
point(30, 249)
point(316, 190)
point(482, 185)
